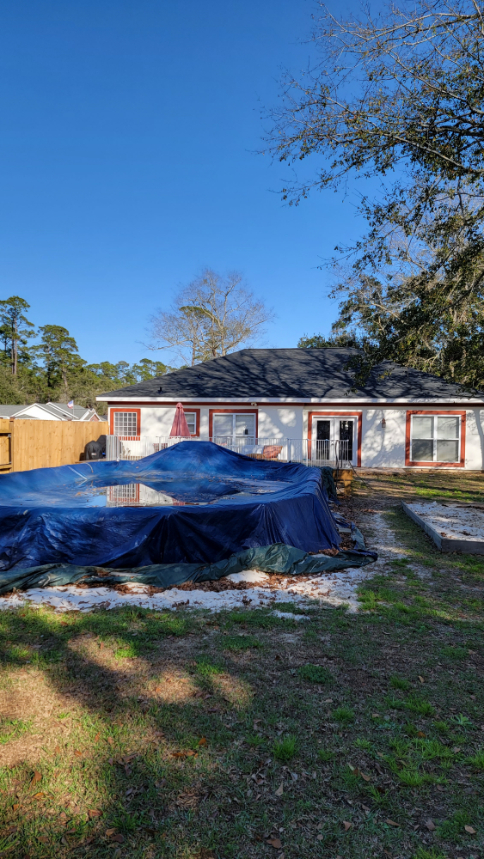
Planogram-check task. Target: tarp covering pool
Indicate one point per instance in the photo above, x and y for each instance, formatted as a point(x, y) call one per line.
point(192, 504)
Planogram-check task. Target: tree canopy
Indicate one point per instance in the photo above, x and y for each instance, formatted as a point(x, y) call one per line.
point(210, 317)
point(400, 95)
point(45, 364)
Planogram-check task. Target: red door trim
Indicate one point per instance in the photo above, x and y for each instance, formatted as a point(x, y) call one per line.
point(357, 415)
point(138, 422)
point(450, 412)
point(212, 412)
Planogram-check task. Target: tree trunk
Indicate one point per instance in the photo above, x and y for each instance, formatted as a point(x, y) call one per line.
point(64, 379)
point(14, 347)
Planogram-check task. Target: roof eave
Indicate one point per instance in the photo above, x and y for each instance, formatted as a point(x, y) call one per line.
point(288, 400)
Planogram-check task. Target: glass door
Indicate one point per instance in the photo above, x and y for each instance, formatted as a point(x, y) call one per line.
point(323, 440)
point(333, 439)
point(346, 440)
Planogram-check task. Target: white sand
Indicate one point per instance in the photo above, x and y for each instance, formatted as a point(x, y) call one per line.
point(455, 523)
point(332, 588)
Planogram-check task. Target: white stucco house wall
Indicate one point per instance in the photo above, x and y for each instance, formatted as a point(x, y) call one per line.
point(303, 404)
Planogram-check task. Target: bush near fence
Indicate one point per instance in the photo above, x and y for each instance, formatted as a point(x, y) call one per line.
point(27, 444)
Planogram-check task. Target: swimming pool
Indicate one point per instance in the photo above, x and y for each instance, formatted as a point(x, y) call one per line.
point(194, 502)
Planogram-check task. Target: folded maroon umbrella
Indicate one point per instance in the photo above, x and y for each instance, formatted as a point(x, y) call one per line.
point(180, 426)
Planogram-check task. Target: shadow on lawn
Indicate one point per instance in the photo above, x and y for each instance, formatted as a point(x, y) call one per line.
point(142, 752)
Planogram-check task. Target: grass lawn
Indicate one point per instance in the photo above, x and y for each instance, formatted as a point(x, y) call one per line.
point(131, 733)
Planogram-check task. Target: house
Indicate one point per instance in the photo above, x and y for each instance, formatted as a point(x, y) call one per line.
point(50, 412)
point(303, 404)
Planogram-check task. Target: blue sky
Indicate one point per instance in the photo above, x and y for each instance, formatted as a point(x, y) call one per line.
point(128, 163)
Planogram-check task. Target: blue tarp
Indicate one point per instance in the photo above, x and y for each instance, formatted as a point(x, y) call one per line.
point(215, 503)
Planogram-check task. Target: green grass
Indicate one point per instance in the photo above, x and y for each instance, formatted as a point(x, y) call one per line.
point(419, 706)
point(343, 714)
point(191, 735)
point(10, 729)
point(315, 673)
point(239, 642)
point(400, 683)
point(205, 668)
point(325, 755)
point(284, 750)
point(477, 760)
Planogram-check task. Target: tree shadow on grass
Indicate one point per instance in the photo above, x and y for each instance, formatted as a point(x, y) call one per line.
point(137, 718)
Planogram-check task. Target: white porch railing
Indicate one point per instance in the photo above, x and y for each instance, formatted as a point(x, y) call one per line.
point(307, 451)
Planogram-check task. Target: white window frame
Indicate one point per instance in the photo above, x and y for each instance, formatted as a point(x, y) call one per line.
point(234, 416)
point(435, 438)
point(117, 415)
point(194, 422)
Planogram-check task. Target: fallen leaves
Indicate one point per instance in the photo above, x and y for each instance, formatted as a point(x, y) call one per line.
point(97, 737)
point(188, 753)
point(189, 799)
point(347, 825)
point(36, 777)
point(430, 825)
point(202, 741)
point(470, 830)
point(94, 812)
point(275, 842)
point(391, 822)
point(280, 789)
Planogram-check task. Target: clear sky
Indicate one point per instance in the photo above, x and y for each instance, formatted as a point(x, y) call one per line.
point(129, 131)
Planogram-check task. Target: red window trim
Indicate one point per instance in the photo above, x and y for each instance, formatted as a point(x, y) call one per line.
point(357, 415)
point(451, 413)
point(196, 412)
point(138, 422)
point(212, 412)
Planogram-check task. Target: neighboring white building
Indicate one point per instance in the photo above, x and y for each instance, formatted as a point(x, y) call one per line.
point(50, 412)
point(303, 404)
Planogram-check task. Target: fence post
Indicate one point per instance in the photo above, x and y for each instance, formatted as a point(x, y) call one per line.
point(12, 444)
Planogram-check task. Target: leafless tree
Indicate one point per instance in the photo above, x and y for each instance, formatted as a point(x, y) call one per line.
point(210, 317)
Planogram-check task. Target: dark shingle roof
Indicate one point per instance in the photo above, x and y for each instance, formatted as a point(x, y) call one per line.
point(255, 374)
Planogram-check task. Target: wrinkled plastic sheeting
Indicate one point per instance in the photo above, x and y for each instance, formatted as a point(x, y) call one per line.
point(277, 558)
point(223, 504)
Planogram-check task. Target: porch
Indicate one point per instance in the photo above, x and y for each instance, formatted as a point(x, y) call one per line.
point(337, 453)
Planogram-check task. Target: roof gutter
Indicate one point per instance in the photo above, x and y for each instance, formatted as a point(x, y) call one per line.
point(292, 400)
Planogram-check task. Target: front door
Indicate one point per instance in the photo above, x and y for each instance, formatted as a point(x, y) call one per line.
point(333, 439)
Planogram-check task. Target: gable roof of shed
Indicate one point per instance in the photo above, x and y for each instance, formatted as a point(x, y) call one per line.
point(290, 374)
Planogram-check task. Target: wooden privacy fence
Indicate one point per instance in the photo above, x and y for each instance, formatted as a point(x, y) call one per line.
point(26, 444)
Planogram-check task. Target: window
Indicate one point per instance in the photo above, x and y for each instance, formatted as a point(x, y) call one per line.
point(228, 426)
point(435, 438)
point(192, 422)
point(126, 424)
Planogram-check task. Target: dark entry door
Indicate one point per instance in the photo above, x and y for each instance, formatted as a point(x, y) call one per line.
point(323, 439)
point(346, 430)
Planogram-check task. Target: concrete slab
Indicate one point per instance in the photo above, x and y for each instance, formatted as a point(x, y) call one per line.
point(453, 528)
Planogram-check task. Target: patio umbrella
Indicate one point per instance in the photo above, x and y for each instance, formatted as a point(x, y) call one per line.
point(180, 426)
